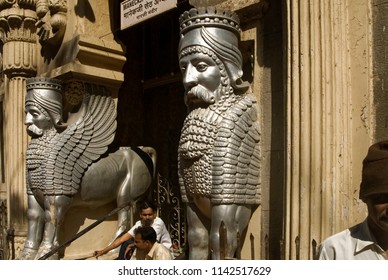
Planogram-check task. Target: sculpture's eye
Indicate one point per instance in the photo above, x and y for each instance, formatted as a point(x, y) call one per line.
point(34, 113)
point(30, 112)
point(201, 67)
point(183, 66)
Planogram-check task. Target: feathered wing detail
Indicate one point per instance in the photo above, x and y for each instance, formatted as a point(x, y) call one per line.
point(81, 144)
point(236, 156)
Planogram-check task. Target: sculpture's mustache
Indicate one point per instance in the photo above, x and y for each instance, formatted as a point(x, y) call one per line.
point(33, 130)
point(199, 93)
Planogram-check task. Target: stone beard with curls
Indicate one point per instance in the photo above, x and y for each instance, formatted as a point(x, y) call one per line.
point(36, 158)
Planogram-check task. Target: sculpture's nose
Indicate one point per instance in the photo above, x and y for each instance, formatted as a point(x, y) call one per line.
point(28, 119)
point(190, 77)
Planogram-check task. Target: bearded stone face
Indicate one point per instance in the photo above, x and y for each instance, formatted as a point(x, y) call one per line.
point(201, 79)
point(43, 108)
point(36, 121)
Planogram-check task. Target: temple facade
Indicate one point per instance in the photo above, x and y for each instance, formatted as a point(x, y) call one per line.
point(316, 68)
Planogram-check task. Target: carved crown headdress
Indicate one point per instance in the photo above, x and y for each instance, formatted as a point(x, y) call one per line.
point(209, 17)
point(44, 83)
point(218, 30)
point(47, 93)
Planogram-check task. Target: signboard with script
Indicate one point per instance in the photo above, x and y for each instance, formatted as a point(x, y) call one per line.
point(135, 11)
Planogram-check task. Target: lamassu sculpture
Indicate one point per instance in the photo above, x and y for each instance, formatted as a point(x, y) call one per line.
point(219, 158)
point(67, 164)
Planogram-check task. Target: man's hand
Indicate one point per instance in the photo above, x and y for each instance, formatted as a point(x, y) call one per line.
point(98, 253)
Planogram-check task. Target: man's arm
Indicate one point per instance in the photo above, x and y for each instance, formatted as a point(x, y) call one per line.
point(117, 242)
point(165, 237)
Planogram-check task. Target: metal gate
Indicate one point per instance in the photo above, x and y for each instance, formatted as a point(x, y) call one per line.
point(172, 212)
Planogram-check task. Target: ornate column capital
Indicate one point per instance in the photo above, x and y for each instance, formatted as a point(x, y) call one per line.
point(18, 29)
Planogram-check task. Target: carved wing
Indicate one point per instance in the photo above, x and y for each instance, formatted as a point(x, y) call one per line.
point(81, 144)
point(236, 157)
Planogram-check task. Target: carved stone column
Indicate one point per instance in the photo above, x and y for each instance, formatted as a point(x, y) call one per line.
point(17, 23)
point(326, 142)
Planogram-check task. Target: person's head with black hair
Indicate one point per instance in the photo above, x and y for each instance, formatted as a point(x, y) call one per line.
point(147, 212)
point(145, 238)
point(147, 204)
point(146, 233)
point(374, 190)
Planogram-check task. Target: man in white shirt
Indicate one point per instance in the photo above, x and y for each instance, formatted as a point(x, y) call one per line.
point(147, 218)
point(369, 239)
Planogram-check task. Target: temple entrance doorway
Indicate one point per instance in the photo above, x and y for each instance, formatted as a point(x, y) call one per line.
point(151, 110)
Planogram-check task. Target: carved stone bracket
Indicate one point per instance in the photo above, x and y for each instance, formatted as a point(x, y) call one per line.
point(247, 11)
point(97, 61)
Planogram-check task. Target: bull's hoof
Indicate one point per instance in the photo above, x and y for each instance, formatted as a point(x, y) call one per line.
point(43, 251)
point(28, 254)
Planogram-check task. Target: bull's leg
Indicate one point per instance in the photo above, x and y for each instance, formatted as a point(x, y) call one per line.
point(122, 222)
point(55, 210)
point(134, 187)
point(35, 216)
point(124, 196)
point(235, 218)
point(122, 227)
point(197, 234)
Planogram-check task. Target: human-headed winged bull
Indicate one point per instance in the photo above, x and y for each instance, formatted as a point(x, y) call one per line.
point(67, 163)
